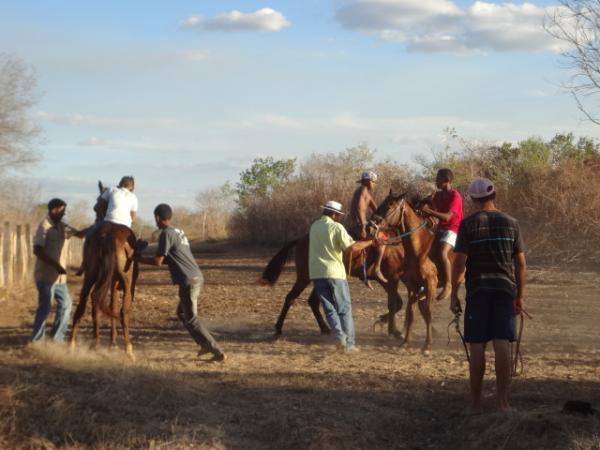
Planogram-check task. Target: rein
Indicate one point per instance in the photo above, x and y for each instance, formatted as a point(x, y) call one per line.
point(395, 239)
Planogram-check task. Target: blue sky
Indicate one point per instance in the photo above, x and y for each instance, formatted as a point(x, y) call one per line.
point(185, 94)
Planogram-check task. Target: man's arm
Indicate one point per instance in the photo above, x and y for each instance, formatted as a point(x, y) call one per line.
point(440, 215)
point(43, 256)
point(133, 215)
point(151, 260)
point(458, 267)
point(359, 245)
point(521, 273)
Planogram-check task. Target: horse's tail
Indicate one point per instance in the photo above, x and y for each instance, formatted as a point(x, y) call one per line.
point(106, 269)
point(273, 270)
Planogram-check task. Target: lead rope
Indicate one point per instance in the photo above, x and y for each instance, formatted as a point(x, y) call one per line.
point(456, 323)
point(517, 358)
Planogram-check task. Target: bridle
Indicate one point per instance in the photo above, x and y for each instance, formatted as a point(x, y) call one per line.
point(400, 210)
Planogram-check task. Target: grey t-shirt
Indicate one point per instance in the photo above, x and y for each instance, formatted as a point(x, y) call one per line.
point(175, 247)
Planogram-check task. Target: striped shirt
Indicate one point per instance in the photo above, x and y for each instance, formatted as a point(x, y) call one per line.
point(491, 240)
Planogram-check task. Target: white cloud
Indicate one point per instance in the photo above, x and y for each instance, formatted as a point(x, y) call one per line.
point(443, 26)
point(265, 19)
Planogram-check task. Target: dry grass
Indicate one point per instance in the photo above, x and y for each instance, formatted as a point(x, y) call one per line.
point(295, 392)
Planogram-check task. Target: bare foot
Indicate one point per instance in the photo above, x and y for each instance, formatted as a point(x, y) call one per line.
point(380, 276)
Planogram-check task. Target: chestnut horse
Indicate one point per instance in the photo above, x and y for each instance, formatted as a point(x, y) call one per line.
point(395, 266)
point(108, 266)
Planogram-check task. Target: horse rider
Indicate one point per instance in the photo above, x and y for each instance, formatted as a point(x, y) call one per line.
point(362, 201)
point(119, 205)
point(327, 242)
point(446, 205)
point(490, 246)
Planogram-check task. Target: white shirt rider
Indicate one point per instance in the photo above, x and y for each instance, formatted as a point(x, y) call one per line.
point(122, 205)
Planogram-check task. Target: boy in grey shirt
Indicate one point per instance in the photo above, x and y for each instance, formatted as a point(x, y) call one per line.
point(174, 248)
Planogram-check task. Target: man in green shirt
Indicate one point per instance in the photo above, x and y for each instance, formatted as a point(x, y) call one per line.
point(328, 241)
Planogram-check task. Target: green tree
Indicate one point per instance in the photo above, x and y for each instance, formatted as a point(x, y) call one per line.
point(564, 147)
point(262, 177)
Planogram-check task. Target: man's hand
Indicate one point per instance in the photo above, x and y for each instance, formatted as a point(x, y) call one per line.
point(455, 304)
point(426, 209)
point(363, 234)
point(518, 303)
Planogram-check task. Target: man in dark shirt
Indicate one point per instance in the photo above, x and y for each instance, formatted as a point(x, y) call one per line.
point(489, 244)
point(174, 248)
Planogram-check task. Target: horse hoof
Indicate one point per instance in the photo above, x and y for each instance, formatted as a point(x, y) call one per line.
point(397, 335)
point(326, 332)
point(129, 352)
point(426, 352)
point(112, 347)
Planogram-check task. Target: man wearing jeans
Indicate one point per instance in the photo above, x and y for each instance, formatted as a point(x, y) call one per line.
point(490, 246)
point(174, 248)
point(50, 246)
point(328, 240)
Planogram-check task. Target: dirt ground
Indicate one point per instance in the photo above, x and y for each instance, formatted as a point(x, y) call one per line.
point(295, 392)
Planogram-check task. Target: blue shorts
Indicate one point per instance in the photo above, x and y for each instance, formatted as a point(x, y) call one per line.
point(490, 314)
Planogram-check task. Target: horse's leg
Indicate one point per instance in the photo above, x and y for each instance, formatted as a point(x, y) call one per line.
point(425, 309)
point(88, 282)
point(95, 307)
point(114, 307)
point(394, 305)
point(296, 290)
point(313, 301)
point(125, 313)
point(409, 317)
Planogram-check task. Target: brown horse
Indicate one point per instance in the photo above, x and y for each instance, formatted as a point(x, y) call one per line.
point(394, 266)
point(109, 266)
point(419, 272)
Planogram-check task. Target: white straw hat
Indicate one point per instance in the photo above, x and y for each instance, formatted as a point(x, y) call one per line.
point(334, 206)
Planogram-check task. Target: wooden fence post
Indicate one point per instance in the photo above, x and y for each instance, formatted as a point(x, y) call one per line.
point(21, 255)
point(29, 247)
point(8, 250)
point(2, 281)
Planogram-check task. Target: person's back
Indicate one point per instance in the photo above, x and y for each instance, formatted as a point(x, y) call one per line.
point(122, 203)
point(491, 238)
point(175, 247)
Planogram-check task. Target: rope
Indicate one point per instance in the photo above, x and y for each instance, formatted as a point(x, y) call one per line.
point(517, 358)
point(403, 235)
point(456, 323)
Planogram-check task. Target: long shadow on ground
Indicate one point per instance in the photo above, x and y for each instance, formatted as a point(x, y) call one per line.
point(129, 406)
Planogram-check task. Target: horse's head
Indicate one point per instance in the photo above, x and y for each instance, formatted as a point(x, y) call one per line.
point(389, 213)
point(101, 205)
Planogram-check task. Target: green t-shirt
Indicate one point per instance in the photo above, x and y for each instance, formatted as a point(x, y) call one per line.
point(328, 240)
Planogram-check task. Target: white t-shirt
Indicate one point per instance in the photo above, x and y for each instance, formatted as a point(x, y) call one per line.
point(121, 202)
